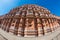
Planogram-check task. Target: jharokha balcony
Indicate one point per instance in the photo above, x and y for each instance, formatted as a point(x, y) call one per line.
point(29, 21)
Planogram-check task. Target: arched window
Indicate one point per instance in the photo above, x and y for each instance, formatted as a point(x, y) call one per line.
point(36, 14)
point(18, 13)
point(23, 13)
point(38, 21)
point(29, 12)
point(46, 14)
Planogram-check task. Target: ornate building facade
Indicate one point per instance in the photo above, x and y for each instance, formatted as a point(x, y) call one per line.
point(29, 20)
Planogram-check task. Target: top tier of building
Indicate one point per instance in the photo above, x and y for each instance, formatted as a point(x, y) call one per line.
point(29, 11)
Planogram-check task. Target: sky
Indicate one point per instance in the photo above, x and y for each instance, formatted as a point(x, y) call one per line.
point(52, 5)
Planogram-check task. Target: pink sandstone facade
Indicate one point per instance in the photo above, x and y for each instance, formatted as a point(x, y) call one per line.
point(29, 20)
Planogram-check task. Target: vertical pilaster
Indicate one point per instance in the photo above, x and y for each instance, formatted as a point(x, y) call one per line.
point(42, 26)
point(35, 25)
point(16, 26)
point(9, 24)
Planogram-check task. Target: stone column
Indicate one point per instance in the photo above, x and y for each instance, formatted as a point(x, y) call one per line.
point(49, 22)
point(17, 26)
point(52, 26)
point(46, 26)
point(3, 23)
point(35, 25)
point(12, 26)
point(6, 24)
point(23, 26)
point(20, 31)
point(42, 26)
point(39, 26)
point(9, 24)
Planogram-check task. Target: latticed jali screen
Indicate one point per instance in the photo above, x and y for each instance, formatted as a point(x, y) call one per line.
point(29, 20)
